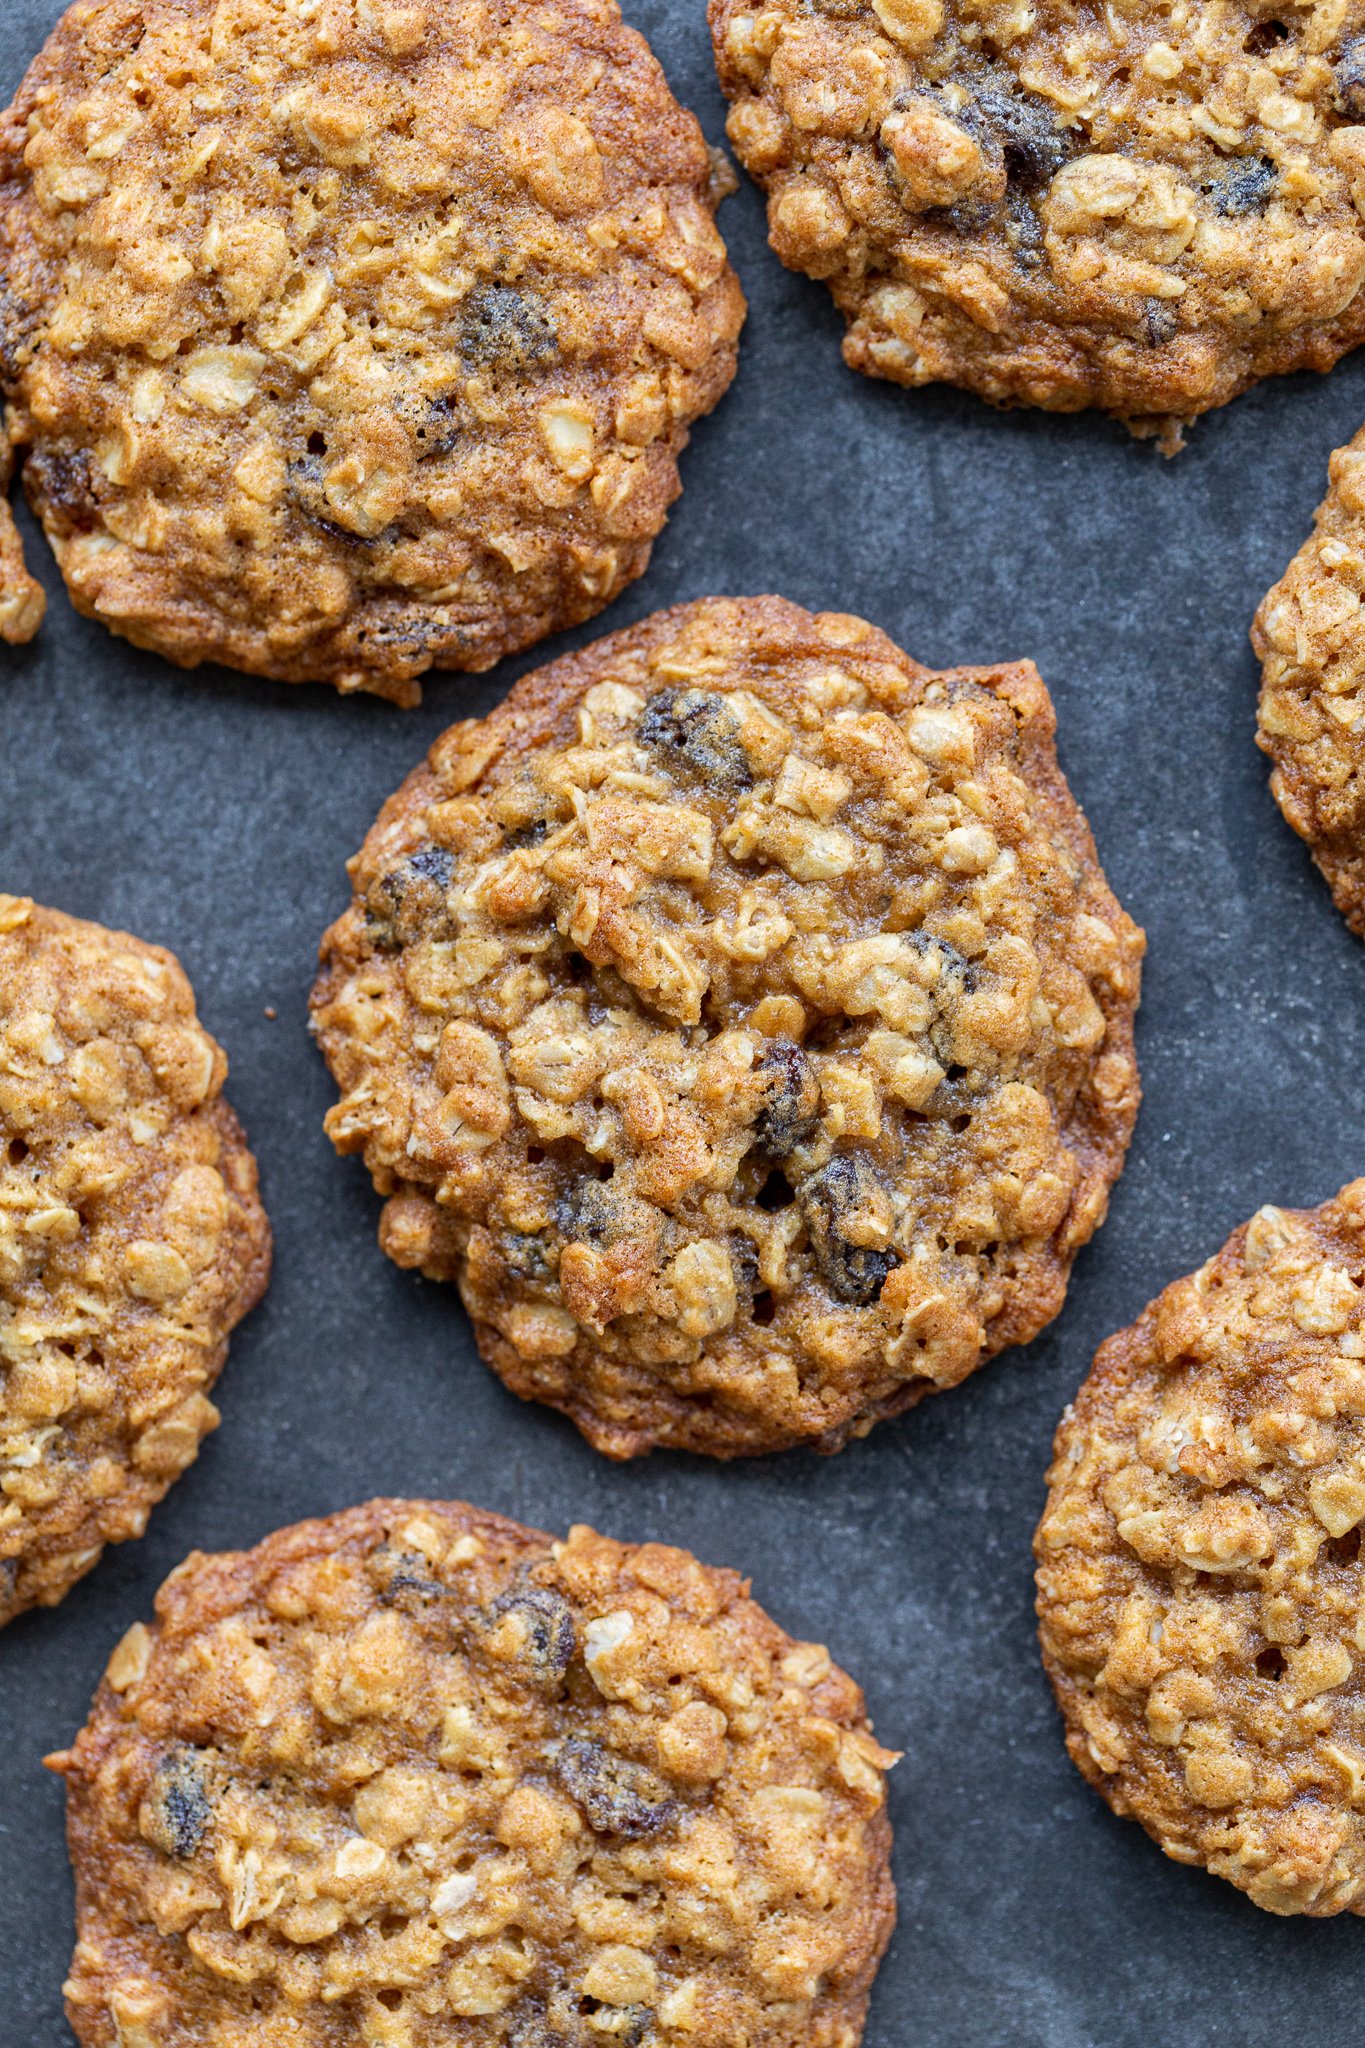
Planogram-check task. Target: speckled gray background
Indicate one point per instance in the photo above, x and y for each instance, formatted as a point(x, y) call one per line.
point(214, 813)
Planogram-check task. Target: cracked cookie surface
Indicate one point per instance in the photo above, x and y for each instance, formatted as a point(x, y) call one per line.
point(1200, 1567)
point(347, 341)
point(739, 1014)
point(1310, 636)
point(416, 1777)
point(1142, 207)
point(132, 1240)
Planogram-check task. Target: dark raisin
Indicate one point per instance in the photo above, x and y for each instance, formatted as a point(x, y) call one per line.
point(616, 1796)
point(1244, 188)
point(531, 2028)
point(592, 1212)
point(1023, 127)
point(178, 1807)
point(698, 734)
point(61, 483)
point(503, 329)
point(529, 1256)
point(402, 1578)
point(541, 1630)
point(1159, 322)
point(1348, 74)
point(791, 1100)
point(836, 1201)
point(17, 323)
point(410, 901)
point(1023, 232)
point(527, 835)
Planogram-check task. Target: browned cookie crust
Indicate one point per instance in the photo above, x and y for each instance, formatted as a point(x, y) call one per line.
point(22, 599)
point(415, 1777)
point(354, 339)
point(1310, 634)
point(1142, 207)
point(131, 1241)
point(1199, 1563)
point(739, 1014)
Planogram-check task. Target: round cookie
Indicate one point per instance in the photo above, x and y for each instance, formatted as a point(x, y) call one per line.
point(1199, 1563)
point(416, 1777)
point(1310, 636)
point(739, 1014)
point(347, 341)
point(132, 1240)
point(1143, 209)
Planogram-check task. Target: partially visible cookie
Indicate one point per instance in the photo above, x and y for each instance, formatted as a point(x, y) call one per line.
point(416, 1777)
point(132, 1240)
point(1200, 1563)
point(740, 1015)
point(344, 342)
point(1142, 208)
point(1310, 635)
point(23, 603)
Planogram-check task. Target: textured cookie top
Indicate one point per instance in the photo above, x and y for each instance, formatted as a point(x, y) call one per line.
point(1141, 207)
point(131, 1241)
point(355, 338)
point(1310, 636)
point(740, 1014)
point(415, 1777)
point(1199, 1563)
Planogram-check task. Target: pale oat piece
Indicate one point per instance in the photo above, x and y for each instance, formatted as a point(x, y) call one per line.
point(416, 1777)
point(739, 1014)
point(1142, 206)
point(132, 1240)
point(351, 339)
point(1310, 635)
point(1200, 1564)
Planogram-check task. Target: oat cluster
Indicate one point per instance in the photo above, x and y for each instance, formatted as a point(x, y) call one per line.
point(1142, 206)
point(1310, 635)
point(740, 1016)
point(415, 1777)
point(131, 1241)
point(1200, 1564)
point(349, 339)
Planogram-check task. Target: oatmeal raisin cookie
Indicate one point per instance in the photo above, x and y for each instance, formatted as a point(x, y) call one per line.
point(1142, 207)
point(740, 1016)
point(415, 1777)
point(1200, 1563)
point(131, 1241)
point(1310, 636)
point(349, 340)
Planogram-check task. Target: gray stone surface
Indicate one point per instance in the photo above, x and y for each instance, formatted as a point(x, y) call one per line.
point(214, 813)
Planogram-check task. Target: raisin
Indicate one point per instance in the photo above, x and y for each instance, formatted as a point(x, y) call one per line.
point(1245, 188)
point(1348, 74)
point(410, 901)
point(531, 2028)
point(544, 1637)
point(698, 734)
point(1159, 322)
point(61, 481)
point(178, 1807)
point(503, 329)
point(791, 1100)
point(592, 1212)
point(432, 422)
point(527, 835)
point(403, 1578)
point(1023, 127)
point(831, 1201)
point(528, 1255)
point(616, 1796)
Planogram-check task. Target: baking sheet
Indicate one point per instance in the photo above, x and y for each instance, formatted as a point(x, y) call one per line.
point(213, 813)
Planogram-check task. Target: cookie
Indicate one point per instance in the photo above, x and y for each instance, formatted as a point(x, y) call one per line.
point(132, 1240)
point(1310, 636)
point(1199, 1563)
point(1143, 209)
point(740, 1016)
point(347, 341)
point(416, 1777)
point(23, 602)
